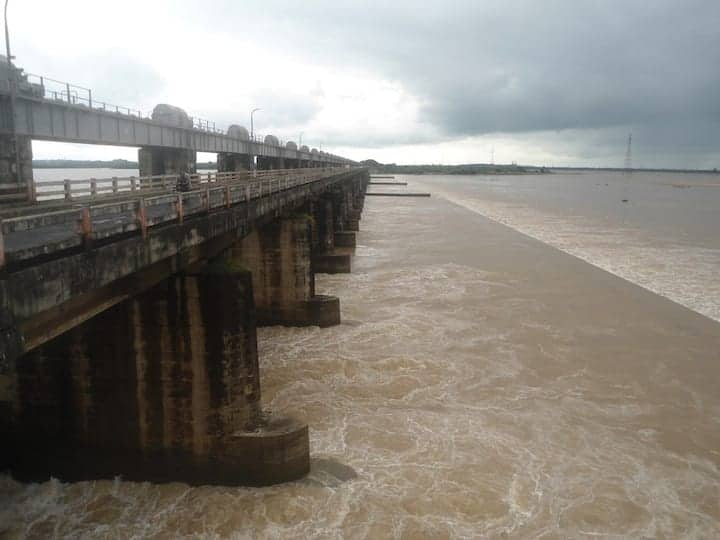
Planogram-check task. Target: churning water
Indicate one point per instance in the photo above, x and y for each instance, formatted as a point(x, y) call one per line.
point(482, 384)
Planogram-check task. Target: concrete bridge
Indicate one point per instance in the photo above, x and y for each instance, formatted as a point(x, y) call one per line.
point(128, 310)
point(39, 108)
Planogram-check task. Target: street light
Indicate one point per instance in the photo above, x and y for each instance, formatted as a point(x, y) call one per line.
point(301, 134)
point(11, 87)
point(7, 35)
point(252, 129)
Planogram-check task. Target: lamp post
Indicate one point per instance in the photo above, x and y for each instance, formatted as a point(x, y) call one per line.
point(11, 87)
point(252, 127)
point(7, 35)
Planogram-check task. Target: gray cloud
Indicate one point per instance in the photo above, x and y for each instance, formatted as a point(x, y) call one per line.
point(594, 69)
point(512, 67)
point(283, 110)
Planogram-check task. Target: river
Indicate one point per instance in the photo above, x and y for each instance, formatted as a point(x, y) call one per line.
point(483, 383)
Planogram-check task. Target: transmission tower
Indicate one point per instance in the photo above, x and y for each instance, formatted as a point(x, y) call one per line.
point(628, 155)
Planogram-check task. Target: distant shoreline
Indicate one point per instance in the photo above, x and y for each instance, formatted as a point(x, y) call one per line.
point(120, 164)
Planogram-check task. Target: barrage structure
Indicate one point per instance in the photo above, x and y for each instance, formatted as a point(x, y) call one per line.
point(129, 306)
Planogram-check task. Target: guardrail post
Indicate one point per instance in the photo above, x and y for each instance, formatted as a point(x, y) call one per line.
point(114, 184)
point(227, 196)
point(142, 218)
point(179, 208)
point(67, 187)
point(93, 187)
point(86, 226)
point(133, 183)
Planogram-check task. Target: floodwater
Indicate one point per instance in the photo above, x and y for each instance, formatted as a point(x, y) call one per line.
point(658, 230)
point(482, 384)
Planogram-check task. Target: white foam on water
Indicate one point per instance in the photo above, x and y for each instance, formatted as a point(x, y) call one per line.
point(682, 272)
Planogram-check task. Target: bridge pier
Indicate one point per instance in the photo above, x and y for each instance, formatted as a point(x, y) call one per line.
point(268, 163)
point(279, 258)
point(155, 160)
point(326, 259)
point(161, 387)
point(227, 162)
point(15, 183)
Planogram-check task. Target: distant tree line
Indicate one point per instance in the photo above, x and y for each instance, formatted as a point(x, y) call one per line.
point(99, 164)
point(472, 168)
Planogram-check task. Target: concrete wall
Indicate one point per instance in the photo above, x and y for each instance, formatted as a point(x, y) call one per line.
point(165, 386)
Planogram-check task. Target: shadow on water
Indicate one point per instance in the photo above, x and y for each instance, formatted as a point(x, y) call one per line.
point(328, 472)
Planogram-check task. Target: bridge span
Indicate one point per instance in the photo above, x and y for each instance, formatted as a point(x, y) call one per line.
point(129, 306)
point(34, 107)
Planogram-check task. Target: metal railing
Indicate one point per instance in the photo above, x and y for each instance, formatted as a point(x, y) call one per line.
point(115, 206)
point(47, 88)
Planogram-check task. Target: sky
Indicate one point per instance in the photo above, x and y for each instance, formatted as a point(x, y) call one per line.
point(551, 82)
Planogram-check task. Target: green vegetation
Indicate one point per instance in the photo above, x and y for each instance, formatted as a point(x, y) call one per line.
point(100, 164)
point(473, 168)
point(83, 164)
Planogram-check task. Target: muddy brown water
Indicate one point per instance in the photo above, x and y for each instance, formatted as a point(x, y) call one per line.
point(482, 384)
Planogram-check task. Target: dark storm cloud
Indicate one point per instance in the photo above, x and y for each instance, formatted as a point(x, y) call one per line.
point(519, 66)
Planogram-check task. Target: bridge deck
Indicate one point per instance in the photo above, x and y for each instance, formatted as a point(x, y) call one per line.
point(50, 227)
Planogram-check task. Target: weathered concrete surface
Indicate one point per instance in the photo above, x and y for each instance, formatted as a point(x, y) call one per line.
point(280, 260)
point(134, 357)
point(14, 185)
point(227, 162)
point(345, 239)
point(50, 297)
point(162, 387)
point(332, 263)
point(154, 160)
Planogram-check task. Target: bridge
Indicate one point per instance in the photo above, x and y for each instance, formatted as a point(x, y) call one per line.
point(34, 107)
point(129, 306)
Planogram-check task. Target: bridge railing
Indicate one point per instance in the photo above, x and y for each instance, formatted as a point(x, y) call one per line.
point(94, 188)
point(153, 201)
point(47, 88)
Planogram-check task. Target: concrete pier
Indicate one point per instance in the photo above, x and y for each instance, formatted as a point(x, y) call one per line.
point(228, 162)
point(279, 257)
point(16, 172)
point(162, 387)
point(158, 160)
point(326, 260)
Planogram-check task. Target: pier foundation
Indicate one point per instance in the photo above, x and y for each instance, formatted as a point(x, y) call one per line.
point(163, 387)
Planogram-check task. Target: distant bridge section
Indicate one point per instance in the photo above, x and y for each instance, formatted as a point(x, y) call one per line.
point(38, 108)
